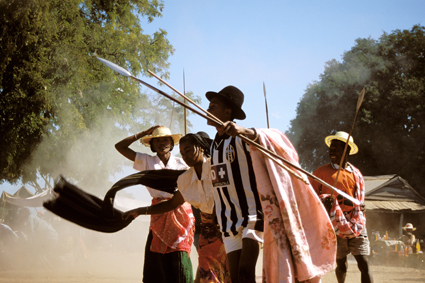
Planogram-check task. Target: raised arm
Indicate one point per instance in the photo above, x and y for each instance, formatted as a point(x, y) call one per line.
point(123, 145)
point(159, 208)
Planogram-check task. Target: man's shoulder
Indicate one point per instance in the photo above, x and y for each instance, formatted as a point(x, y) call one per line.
point(359, 173)
point(355, 168)
point(323, 168)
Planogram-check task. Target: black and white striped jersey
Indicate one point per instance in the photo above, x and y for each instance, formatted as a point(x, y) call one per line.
point(234, 186)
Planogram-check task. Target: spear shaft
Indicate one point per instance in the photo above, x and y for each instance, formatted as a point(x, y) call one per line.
point(212, 118)
point(185, 114)
point(359, 103)
point(272, 155)
point(267, 110)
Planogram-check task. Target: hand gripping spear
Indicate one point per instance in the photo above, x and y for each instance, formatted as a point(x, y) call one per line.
point(273, 156)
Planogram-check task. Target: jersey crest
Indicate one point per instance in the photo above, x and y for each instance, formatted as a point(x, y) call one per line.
point(230, 153)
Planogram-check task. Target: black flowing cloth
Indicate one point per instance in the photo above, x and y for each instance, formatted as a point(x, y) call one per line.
point(88, 211)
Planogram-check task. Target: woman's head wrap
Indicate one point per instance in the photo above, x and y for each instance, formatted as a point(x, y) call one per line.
point(200, 139)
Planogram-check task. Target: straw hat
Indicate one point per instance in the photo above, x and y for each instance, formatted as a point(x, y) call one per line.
point(160, 132)
point(409, 226)
point(342, 136)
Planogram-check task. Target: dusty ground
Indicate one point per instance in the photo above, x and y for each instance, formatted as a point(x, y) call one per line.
point(381, 274)
point(118, 257)
point(108, 267)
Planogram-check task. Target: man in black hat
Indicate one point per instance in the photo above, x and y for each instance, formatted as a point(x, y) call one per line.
point(237, 204)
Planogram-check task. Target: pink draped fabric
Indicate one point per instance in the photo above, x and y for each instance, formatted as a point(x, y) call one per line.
point(299, 240)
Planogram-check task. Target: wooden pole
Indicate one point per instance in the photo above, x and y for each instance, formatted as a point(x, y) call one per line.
point(4, 207)
point(359, 103)
point(272, 155)
point(267, 110)
point(185, 114)
point(172, 113)
point(277, 159)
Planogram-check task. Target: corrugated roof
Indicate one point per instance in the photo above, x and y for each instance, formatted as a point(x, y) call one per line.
point(391, 193)
point(394, 206)
point(372, 182)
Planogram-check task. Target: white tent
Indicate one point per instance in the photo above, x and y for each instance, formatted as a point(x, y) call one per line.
point(32, 201)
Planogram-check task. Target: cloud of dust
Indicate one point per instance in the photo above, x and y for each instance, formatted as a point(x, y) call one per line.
point(88, 159)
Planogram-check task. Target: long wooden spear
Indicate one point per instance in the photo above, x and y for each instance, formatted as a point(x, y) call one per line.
point(267, 110)
point(172, 113)
point(359, 103)
point(212, 118)
point(264, 150)
point(185, 114)
point(209, 116)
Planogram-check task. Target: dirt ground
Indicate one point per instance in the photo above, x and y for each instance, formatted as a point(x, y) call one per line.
point(108, 267)
point(118, 257)
point(381, 274)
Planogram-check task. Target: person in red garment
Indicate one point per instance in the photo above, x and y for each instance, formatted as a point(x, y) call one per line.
point(170, 234)
point(212, 259)
point(347, 218)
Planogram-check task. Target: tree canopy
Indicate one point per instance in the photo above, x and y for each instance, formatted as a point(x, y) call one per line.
point(390, 125)
point(57, 101)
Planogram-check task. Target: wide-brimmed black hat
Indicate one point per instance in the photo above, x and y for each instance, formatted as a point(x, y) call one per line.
point(233, 96)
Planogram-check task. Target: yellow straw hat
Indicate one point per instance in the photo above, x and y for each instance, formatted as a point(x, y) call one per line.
point(160, 132)
point(342, 136)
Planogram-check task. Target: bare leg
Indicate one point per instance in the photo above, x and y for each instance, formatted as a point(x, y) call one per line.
point(242, 262)
point(341, 269)
point(233, 258)
point(362, 263)
point(249, 256)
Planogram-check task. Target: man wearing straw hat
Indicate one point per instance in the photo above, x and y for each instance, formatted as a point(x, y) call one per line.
point(347, 218)
point(408, 238)
point(170, 234)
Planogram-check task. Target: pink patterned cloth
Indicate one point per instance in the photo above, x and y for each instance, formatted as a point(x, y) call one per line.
point(172, 231)
point(299, 240)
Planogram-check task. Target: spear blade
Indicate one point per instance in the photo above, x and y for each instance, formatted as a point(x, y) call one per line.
point(115, 67)
point(360, 100)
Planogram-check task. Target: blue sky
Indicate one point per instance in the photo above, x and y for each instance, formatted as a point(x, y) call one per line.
point(282, 43)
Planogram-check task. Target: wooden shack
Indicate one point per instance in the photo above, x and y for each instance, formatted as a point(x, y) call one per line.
point(391, 202)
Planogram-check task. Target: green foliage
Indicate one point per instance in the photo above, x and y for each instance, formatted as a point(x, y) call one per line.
point(58, 103)
point(390, 125)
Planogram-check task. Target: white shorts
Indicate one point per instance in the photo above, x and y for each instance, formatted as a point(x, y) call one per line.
point(234, 243)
